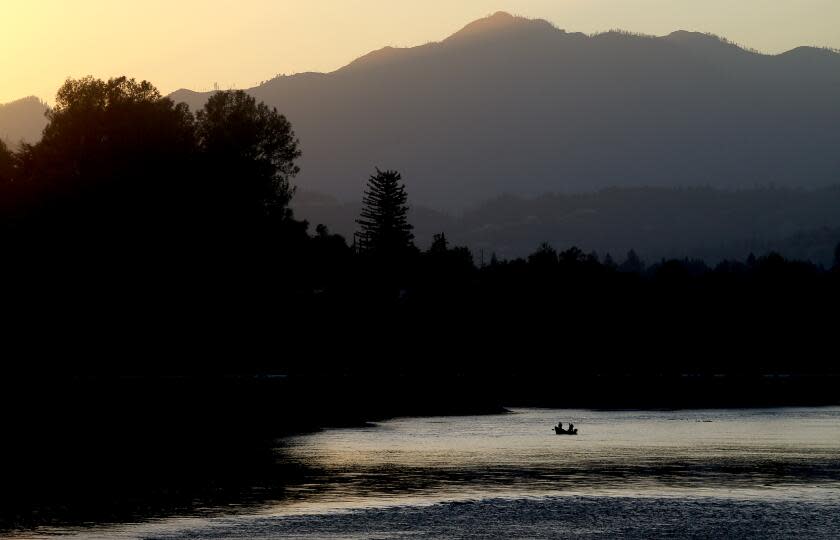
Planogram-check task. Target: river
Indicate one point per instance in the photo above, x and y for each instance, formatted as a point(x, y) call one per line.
point(644, 474)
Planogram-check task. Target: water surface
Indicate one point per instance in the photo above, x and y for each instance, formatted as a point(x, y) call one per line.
point(767, 473)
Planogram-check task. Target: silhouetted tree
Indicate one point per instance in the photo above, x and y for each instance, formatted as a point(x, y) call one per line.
point(462, 257)
point(633, 264)
point(609, 263)
point(249, 152)
point(544, 257)
point(137, 202)
point(113, 164)
point(457, 260)
point(385, 230)
point(571, 256)
point(439, 244)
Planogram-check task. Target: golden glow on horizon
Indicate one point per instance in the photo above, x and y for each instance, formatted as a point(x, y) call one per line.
point(196, 43)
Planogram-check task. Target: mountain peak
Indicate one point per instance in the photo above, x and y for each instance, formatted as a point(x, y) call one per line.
point(500, 21)
point(22, 120)
point(690, 35)
point(29, 100)
point(704, 40)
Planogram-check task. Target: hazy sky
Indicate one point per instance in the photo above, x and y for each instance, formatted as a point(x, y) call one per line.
point(238, 43)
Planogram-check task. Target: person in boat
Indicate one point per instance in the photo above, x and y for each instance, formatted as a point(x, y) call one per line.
point(571, 427)
point(559, 426)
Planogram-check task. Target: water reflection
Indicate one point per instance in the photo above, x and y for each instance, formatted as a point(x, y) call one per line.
point(756, 453)
point(776, 456)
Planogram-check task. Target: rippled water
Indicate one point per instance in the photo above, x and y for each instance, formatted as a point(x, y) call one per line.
point(773, 472)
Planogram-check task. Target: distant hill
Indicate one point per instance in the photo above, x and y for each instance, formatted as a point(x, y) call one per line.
point(512, 105)
point(22, 120)
point(698, 222)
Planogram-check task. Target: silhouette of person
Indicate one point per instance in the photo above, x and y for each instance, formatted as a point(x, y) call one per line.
point(571, 427)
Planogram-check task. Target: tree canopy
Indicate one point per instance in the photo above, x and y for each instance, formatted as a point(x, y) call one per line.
point(117, 159)
point(250, 152)
point(115, 155)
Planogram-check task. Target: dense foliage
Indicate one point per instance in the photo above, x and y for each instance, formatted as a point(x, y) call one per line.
point(138, 236)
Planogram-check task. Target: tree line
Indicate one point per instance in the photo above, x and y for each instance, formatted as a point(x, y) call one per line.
point(150, 237)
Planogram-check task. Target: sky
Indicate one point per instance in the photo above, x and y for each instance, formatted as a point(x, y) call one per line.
point(239, 43)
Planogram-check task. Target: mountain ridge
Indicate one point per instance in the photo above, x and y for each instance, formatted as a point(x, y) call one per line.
point(822, 50)
point(22, 120)
point(509, 104)
point(501, 21)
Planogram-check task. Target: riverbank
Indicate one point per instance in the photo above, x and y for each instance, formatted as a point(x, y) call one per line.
point(112, 449)
point(706, 471)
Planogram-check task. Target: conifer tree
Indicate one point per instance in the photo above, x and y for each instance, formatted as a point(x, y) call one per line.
point(385, 230)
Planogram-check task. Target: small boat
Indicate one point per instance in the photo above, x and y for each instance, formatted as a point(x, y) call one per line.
point(559, 431)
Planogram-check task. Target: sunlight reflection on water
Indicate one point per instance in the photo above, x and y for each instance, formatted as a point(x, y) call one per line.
point(641, 453)
point(758, 461)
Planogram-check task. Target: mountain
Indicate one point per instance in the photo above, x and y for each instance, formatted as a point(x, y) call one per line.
point(22, 120)
point(518, 106)
point(513, 105)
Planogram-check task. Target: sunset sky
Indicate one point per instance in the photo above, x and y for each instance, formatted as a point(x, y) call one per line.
point(238, 43)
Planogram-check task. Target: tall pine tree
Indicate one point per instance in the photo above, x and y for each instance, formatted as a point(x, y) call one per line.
point(385, 230)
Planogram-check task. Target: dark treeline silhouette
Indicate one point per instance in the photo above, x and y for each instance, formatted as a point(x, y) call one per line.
point(698, 222)
point(156, 240)
point(133, 223)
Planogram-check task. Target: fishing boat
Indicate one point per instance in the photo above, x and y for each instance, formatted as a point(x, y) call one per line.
point(561, 431)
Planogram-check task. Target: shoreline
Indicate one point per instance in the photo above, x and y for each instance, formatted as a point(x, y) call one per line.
point(82, 472)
